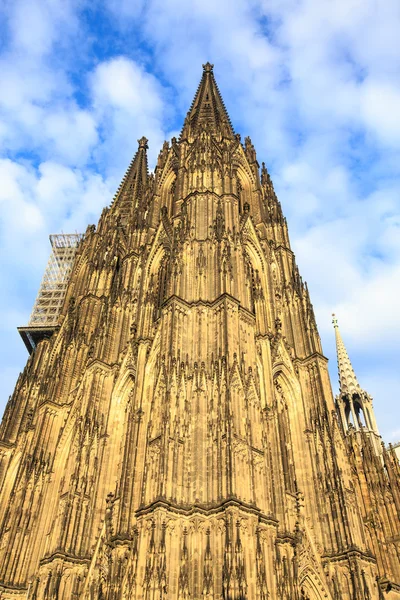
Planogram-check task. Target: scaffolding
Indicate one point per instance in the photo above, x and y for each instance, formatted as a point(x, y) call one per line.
point(50, 298)
point(52, 291)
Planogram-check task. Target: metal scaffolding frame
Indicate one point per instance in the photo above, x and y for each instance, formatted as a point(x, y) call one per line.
point(53, 288)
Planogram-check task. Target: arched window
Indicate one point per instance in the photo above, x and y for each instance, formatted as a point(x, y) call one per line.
point(348, 413)
point(360, 415)
point(162, 285)
point(359, 411)
point(239, 195)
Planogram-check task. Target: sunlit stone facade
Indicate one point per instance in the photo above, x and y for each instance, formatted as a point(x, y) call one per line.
point(176, 437)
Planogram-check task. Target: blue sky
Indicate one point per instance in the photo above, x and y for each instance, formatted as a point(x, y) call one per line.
point(316, 85)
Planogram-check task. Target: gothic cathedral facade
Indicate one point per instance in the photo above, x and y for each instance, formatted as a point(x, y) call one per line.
point(176, 436)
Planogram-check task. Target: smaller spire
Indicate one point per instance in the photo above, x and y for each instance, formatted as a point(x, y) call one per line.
point(353, 403)
point(347, 377)
point(143, 143)
point(134, 181)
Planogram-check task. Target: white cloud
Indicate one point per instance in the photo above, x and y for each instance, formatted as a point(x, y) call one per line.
point(36, 24)
point(72, 133)
point(122, 84)
point(127, 104)
point(18, 210)
point(380, 108)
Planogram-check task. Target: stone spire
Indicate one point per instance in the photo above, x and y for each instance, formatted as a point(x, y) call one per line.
point(353, 403)
point(347, 377)
point(130, 191)
point(207, 109)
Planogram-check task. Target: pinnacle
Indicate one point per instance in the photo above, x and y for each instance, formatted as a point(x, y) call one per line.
point(207, 109)
point(143, 143)
point(134, 179)
point(208, 67)
point(347, 378)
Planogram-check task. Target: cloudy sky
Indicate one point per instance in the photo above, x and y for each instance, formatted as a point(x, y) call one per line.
point(315, 83)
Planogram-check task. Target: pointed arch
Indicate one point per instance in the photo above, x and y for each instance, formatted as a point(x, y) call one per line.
point(243, 170)
point(117, 421)
point(157, 252)
point(311, 587)
point(260, 279)
point(126, 380)
point(9, 481)
point(155, 285)
point(284, 375)
point(151, 368)
point(237, 396)
point(167, 186)
point(288, 393)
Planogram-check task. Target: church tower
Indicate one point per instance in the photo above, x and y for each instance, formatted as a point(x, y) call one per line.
point(354, 405)
point(173, 434)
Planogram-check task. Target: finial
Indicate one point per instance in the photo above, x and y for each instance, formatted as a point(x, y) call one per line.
point(143, 143)
point(208, 67)
point(334, 320)
point(264, 174)
point(207, 111)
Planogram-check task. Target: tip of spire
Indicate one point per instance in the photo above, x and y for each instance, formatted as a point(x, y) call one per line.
point(348, 382)
point(207, 110)
point(143, 143)
point(208, 67)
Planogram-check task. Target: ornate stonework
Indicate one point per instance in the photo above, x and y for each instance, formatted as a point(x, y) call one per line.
point(176, 437)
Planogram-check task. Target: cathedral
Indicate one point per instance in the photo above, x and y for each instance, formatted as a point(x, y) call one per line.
point(174, 435)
